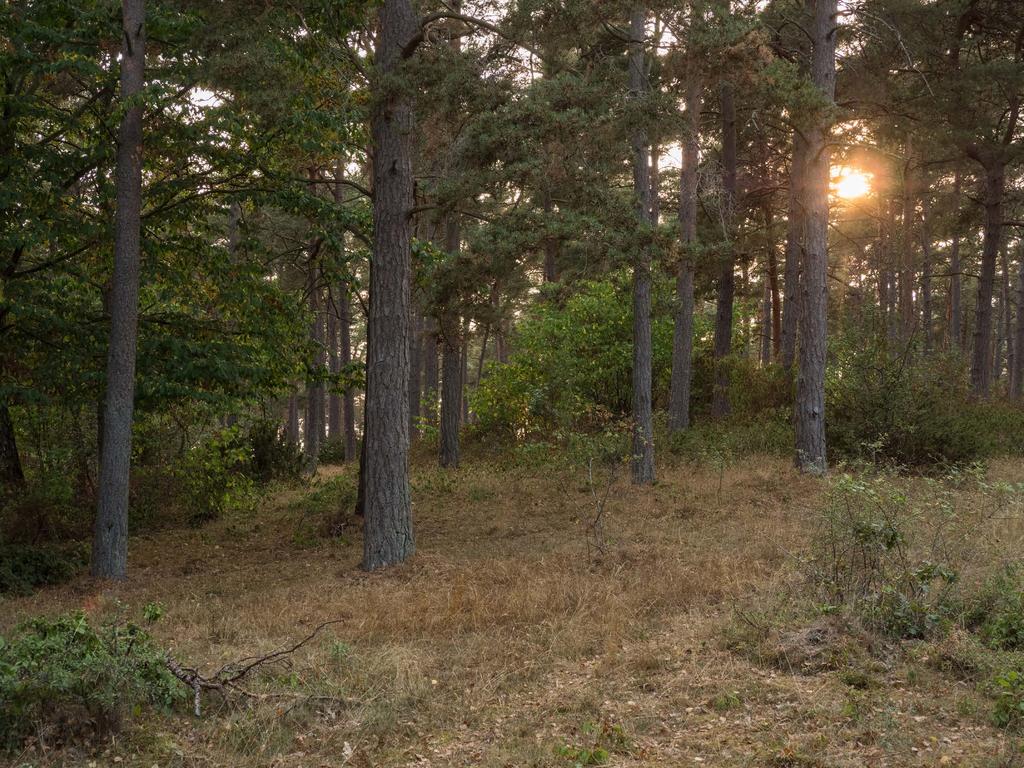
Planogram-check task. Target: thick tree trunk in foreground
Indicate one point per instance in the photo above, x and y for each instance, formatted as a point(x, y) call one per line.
point(387, 527)
point(110, 540)
point(981, 358)
point(727, 278)
point(810, 397)
point(682, 340)
point(643, 430)
point(794, 252)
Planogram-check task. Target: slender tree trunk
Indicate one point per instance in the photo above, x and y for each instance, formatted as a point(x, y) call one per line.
point(291, 427)
point(464, 370)
point(981, 360)
point(415, 366)
point(643, 429)
point(766, 325)
point(955, 304)
point(655, 184)
point(1017, 371)
point(906, 295)
point(314, 387)
point(348, 400)
point(926, 276)
point(1003, 339)
point(451, 390)
point(431, 378)
point(682, 340)
point(451, 357)
point(794, 250)
point(727, 278)
point(11, 474)
point(810, 404)
point(387, 528)
point(334, 366)
point(773, 283)
point(110, 541)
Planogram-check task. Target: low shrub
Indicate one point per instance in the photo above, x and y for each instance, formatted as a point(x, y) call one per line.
point(1009, 707)
point(996, 612)
point(26, 567)
point(64, 679)
point(272, 456)
point(886, 409)
point(865, 562)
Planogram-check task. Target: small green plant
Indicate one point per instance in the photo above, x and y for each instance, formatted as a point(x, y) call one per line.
point(997, 612)
point(603, 739)
point(726, 700)
point(1009, 707)
point(64, 678)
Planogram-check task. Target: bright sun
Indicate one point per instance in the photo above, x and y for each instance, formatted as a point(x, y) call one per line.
point(849, 183)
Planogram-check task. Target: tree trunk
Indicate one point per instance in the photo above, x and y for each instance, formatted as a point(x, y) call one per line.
point(906, 296)
point(655, 185)
point(314, 386)
point(1003, 339)
point(727, 277)
point(451, 389)
point(682, 340)
point(348, 400)
point(387, 528)
point(1017, 371)
point(451, 361)
point(291, 429)
point(926, 276)
point(810, 400)
point(110, 541)
point(766, 325)
point(643, 430)
point(955, 304)
point(773, 283)
point(464, 382)
point(981, 360)
point(794, 250)
point(11, 474)
point(334, 366)
point(431, 378)
point(415, 347)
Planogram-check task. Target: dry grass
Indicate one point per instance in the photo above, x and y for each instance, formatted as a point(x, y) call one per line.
point(502, 639)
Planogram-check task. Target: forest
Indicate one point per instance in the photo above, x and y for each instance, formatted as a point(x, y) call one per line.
point(503, 383)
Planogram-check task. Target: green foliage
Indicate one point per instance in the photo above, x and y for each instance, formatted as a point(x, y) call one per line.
point(26, 567)
point(603, 740)
point(64, 678)
point(213, 475)
point(1009, 706)
point(891, 410)
point(996, 613)
point(864, 561)
point(572, 365)
point(273, 457)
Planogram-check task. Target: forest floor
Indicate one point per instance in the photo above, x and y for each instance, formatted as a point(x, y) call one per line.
point(510, 639)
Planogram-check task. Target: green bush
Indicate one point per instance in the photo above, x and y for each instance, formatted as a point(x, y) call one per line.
point(26, 567)
point(63, 678)
point(272, 456)
point(573, 363)
point(864, 562)
point(214, 477)
point(907, 413)
point(996, 613)
point(1009, 708)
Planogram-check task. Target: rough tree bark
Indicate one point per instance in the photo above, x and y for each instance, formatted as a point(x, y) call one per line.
point(643, 430)
point(387, 527)
point(727, 277)
point(682, 340)
point(110, 539)
point(981, 358)
point(810, 399)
